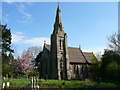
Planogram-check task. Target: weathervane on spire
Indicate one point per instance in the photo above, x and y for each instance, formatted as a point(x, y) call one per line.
point(58, 2)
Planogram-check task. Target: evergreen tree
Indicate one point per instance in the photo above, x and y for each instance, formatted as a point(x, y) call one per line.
point(5, 46)
point(5, 39)
point(110, 66)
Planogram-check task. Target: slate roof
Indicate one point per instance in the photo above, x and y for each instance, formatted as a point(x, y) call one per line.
point(90, 56)
point(77, 56)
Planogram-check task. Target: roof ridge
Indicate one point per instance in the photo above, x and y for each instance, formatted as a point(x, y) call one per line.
point(88, 52)
point(83, 55)
point(68, 47)
point(74, 47)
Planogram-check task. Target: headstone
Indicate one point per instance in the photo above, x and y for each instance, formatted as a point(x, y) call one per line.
point(32, 81)
point(3, 85)
point(37, 82)
point(8, 84)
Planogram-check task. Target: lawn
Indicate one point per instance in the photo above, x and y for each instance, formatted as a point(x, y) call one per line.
point(74, 84)
point(19, 83)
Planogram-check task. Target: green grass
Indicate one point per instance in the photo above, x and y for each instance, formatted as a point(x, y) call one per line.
point(74, 84)
point(0, 82)
point(18, 82)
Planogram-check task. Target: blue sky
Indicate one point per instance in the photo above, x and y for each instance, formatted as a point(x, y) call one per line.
point(86, 23)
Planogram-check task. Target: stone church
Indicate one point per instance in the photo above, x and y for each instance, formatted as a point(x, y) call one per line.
point(58, 61)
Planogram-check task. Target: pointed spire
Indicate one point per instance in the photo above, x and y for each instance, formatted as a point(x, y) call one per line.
point(58, 21)
point(58, 15)
point(58, 2)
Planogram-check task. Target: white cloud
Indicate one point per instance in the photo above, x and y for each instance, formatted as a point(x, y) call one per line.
point(18, 33)
point(19, 38)
point(36, 41)
point(26, 17)
point(22, 8)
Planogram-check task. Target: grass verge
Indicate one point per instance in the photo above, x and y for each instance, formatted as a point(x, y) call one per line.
point(75, 84)
point(18, 82)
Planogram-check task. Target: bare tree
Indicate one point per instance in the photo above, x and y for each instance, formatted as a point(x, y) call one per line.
point(35, 50)
point(98, 55)
point(115, 42)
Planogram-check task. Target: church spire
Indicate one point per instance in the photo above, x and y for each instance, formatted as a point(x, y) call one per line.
point(58, 20)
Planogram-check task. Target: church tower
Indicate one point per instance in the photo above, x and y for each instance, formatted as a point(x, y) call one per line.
point(59, 49)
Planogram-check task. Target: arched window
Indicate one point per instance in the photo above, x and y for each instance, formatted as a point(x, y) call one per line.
point(74, 67)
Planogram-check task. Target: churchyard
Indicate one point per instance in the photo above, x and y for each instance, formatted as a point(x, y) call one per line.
point(25, 83)
point(19, 73)
point(24, 71)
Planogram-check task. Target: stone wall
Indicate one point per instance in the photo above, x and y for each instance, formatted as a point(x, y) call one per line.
point(78, 71)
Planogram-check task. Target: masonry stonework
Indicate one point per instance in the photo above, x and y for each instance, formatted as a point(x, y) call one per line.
point(58, 61)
